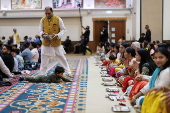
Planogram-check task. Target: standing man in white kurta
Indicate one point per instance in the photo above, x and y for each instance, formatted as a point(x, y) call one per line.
point(54, 25)
point(16, 39)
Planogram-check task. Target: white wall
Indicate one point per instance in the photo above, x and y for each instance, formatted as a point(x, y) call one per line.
point(88, 4)
point(152, 16)
point(166, 20)
point(73, 28)
point(29, 27)
point(5, 4)
point(136, 20)
point(70, 18)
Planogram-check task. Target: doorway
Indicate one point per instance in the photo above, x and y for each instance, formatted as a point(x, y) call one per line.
point(97, 31)
point(117, 28)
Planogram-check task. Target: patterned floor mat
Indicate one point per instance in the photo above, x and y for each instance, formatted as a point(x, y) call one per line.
point(26, 97)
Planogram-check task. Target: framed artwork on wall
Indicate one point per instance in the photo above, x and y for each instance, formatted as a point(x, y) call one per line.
point(26, 4)
point(110, 4)
point(67, 4)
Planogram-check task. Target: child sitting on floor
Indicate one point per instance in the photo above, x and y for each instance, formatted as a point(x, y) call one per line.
point(112, 62)
point(55, 77)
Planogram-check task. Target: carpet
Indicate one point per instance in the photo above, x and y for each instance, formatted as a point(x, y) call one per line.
point(24, 97)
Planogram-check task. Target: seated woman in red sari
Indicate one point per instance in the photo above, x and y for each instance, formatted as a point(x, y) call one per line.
point(145, 67)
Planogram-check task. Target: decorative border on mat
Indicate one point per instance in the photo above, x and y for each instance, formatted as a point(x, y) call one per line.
point(80, 105)
point(69, 106)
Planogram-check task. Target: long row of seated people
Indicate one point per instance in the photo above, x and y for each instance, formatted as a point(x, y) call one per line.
point(143, 72)
point(14, 60)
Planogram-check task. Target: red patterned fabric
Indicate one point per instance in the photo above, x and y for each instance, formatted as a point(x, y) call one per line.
point(125, 83)
point(138, 85)
point(105, 62)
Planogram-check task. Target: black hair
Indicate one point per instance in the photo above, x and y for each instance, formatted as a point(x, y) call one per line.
point(26, 45)
point(15, 45)
point(3, 37)
point(25, 37)
point(165, 52)
point(104, 26)
point(151, 46)
point(145, 58)
point(168, 45)
point(143, 34)
point(8, 47)
point(38, 37)
point(112, 44)
point(157, 41)
point(1, 45)
point(163, 41)
point(123, 37)
point(112, 57)
point(125, 44)
point(101, 44)
point(131, 50)
point(147, 26)
point(38, 44)
point(16, 51)
point(49, 8)
point(117, 47)
point(33, 44)
point(107, 43)
point(145, 44)
point(87, 27)
point(59, 69)
point(106, 47)
point(162, 45)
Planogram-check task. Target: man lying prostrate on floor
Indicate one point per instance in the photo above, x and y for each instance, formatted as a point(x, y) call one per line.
point(55, 77)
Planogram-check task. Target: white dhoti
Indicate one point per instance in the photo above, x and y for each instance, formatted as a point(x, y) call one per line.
point(14, 42)
point(56, 52)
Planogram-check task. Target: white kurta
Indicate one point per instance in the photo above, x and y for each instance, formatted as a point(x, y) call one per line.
point(15, 69)
point(161, 80)
point(14, 40)
point(35, 55)
point(58, 52)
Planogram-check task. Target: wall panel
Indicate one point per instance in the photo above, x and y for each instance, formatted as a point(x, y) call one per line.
point(152, 16)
